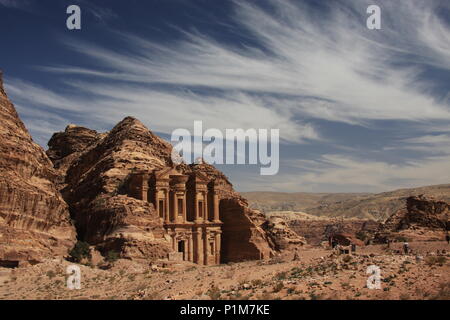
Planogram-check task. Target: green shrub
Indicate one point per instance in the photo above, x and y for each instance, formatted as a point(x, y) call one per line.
point(80, 251)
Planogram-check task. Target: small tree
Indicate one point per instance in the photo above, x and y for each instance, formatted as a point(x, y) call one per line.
point(80, 251)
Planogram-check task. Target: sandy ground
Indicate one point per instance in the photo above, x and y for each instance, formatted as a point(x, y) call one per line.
point(318, 274)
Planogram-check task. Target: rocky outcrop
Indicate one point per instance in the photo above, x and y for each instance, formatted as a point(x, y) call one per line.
point(98, 168)
point(98, 171)
point(282, 236)
point(243, 235)
point(422, 218)
point(67, 146)
point(317, 231)
point(346, 239)
point(34, 219)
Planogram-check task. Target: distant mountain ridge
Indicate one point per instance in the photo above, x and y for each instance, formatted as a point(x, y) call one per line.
point(376, 206)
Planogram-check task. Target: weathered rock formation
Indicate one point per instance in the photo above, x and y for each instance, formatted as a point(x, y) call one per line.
point(284, 238)
point(422, 218)
point(97, 168)
point(67, 146)
point(317, 231)
point(243, 237)
point(346, 239)
point(99, 171)
point(34, 219)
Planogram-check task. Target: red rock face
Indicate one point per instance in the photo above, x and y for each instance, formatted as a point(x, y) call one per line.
point(67, 146)
point(97, 168)
point(422, 218)
point(243, 237)
point(106, 214)
point(34, 219)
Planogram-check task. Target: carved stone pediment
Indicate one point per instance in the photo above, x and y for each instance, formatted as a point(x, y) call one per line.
point(165, 173)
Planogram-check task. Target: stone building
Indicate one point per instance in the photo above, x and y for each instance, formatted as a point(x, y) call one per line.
point(188, 205)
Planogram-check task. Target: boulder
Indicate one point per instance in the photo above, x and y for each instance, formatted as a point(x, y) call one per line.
point(282, 236)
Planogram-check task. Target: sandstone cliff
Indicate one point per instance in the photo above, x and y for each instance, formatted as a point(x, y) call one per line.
point(422, 218)
point(282, 235)
point(65, 147)
point(34, 219)
point(97, 169)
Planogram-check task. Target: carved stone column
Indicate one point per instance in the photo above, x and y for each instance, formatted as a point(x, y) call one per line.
point(218, 248)
point(167, 208)
point(184, 208)
point(174, 207)
point(191, 249)
point(205, 248)
point(205, 206)
point(179, 189)
point(216, 207)
point(198, 256)
point(174, 242)
point(196, 213)
point(186, 250)
point(156, 199)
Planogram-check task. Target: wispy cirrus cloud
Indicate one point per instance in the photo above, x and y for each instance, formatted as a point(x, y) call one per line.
point(162, 111)
point(347, 72)
point(437, 144)
point(102, 14)
point(346, 173)
point(14, 3)
point(305, 69)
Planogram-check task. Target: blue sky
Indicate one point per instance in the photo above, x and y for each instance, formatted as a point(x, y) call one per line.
point(358, 110)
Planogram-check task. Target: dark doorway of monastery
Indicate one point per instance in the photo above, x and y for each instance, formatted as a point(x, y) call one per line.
point(181, 248)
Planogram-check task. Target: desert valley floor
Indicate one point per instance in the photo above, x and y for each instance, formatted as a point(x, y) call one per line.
point(317, 274)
